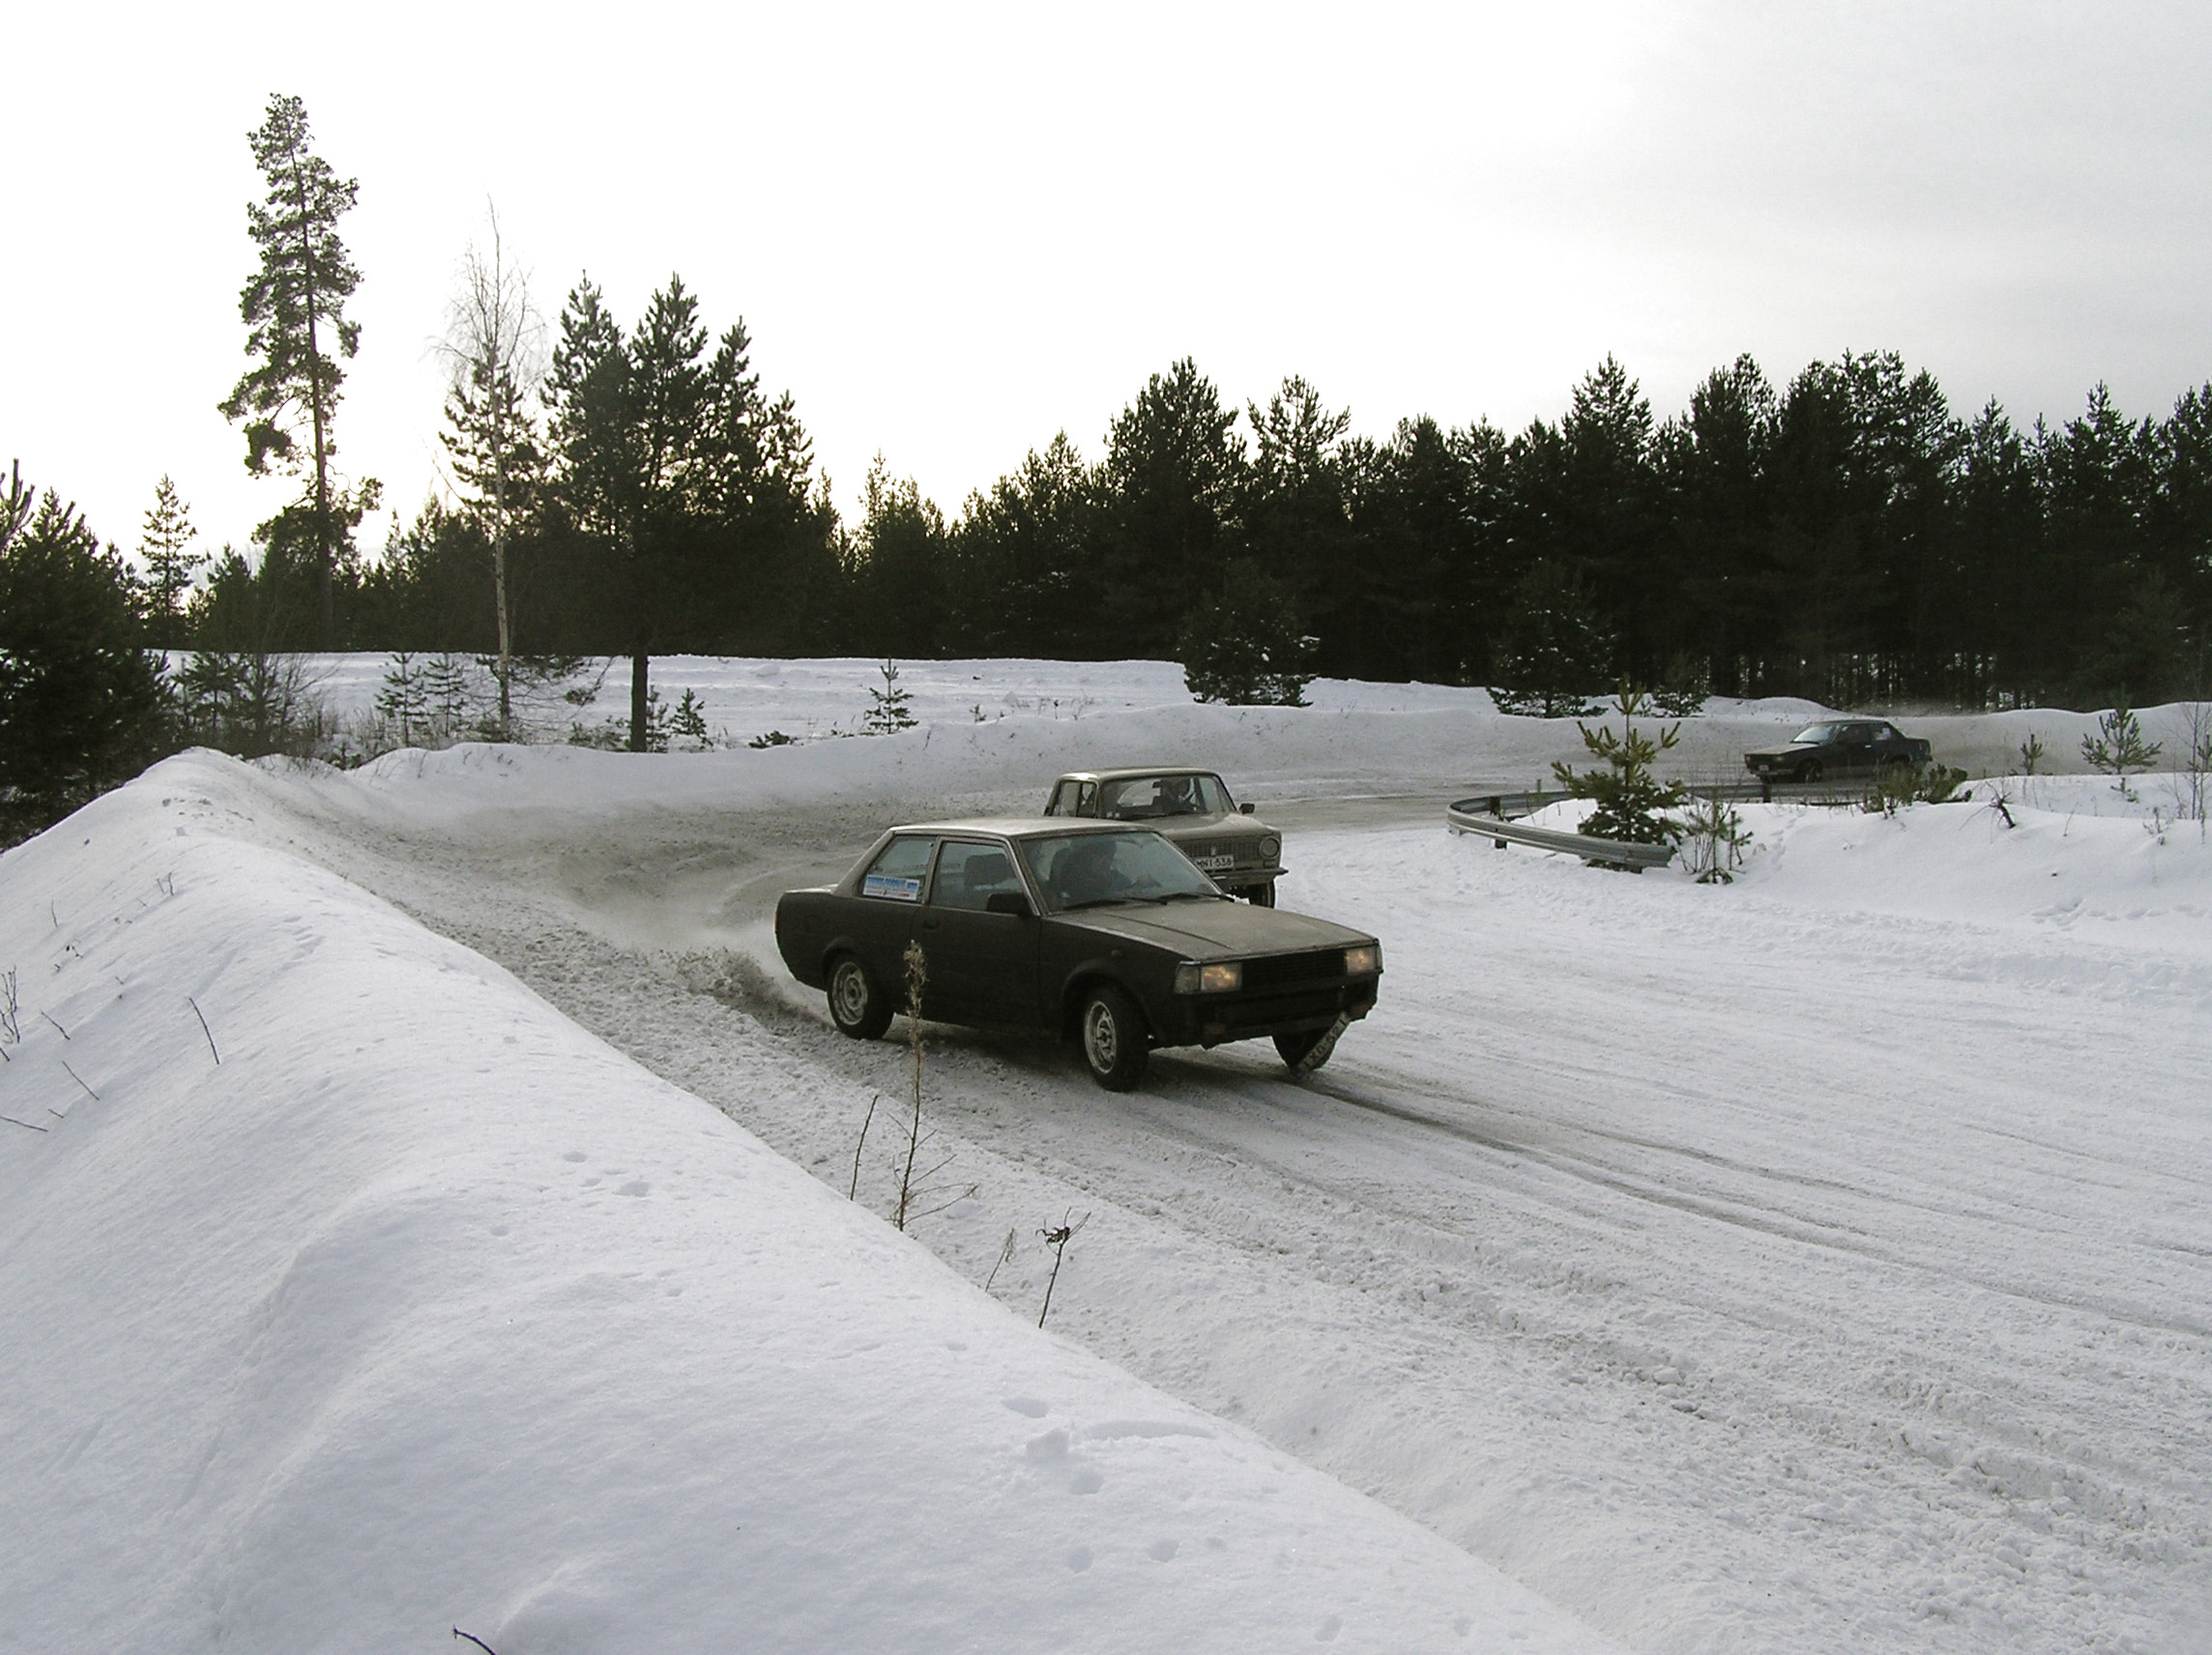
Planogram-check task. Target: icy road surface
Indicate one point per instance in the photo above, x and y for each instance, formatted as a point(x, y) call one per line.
point(1821, 1262)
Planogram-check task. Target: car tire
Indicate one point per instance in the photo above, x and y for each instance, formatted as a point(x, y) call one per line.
point(1293, 1046)
point(1262, 895)
point(1809, 770)
point(858, 1004)
point(1111, 1031)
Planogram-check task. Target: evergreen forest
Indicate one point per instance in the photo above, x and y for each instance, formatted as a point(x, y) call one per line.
point(1844, 535)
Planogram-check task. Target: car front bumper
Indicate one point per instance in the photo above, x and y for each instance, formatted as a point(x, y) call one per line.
point(1216, 1019)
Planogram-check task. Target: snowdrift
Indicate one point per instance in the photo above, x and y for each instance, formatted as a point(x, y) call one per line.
point(353, 1296)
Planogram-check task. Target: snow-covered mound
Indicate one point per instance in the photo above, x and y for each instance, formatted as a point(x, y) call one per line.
point(353, 1295)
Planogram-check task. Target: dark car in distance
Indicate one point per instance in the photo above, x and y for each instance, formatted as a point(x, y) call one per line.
point(1192, 809)
point(1100, 930)
point(1839, 747)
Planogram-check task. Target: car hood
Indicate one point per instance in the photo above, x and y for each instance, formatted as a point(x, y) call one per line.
point(1788, 750)
point(1222, 821)
point(1214, 930)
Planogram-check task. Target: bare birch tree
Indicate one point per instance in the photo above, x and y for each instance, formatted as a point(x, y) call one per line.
point(495, 350)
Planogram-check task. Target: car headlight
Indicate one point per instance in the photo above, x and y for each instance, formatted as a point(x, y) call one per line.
point(1270, 849)
point(1223, 976)
point(1363, 960)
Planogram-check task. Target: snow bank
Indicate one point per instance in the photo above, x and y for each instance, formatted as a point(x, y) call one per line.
point(387, 1300)
point(1465, 737)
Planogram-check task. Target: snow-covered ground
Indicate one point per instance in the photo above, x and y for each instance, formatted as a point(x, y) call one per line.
point(1821, 1261)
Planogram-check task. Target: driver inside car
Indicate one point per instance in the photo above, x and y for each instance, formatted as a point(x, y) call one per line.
point(1084, 871)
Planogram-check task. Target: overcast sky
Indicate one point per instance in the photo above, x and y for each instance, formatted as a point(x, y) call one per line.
point(955, 230)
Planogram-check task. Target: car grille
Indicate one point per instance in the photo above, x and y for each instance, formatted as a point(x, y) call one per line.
point(1284, 971)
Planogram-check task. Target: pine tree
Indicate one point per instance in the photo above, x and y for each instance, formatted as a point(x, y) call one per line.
point(169, 565)
point(1629, 798)
point(888, 711)
point(81, 704)
point(688, 722)
point(1246, 647)
point(2118, 747)
point(295, 311)
point(1552, 647)
point(404, 698)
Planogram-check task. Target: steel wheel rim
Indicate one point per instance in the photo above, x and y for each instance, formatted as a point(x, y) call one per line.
point(852, 988)
point(1102, 1037)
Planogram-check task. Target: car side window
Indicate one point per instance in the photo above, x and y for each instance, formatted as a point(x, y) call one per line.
point(970, 874)
point(897, 874)
point(1063, 800)
point(1087, 800)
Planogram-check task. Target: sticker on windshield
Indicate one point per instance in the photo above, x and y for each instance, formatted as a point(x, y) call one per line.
point(892, 886)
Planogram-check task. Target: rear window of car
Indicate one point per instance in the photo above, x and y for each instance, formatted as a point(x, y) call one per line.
point(970, 874)
point(896, 875)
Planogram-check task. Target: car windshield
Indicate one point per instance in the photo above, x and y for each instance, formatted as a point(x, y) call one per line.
point(1146, 799)
point(1088, 870)
point(1816, 734)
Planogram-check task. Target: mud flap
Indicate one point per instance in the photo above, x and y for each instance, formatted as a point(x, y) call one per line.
point(1322, 1047)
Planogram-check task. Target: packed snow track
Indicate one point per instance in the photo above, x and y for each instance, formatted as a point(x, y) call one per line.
point(1813, 1264)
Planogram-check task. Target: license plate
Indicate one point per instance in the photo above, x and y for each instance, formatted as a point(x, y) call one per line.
point(1215, 864)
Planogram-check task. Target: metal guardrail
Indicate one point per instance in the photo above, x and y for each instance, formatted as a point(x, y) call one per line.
point(1467, 817)
point(1844, 790)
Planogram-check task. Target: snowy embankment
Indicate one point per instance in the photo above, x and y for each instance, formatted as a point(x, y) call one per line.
point(1387, 737)
point(388, 1301)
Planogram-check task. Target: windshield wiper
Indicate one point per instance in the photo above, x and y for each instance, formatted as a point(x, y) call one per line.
point(1095, 902)
point(1195, 896)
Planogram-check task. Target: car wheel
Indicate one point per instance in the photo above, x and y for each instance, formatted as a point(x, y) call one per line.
point(1262, 895)
point(856, 1006)
point(1114, 1039)
point(1809, 770)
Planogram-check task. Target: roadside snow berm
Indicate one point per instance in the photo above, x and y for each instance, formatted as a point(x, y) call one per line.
point(386, 1301)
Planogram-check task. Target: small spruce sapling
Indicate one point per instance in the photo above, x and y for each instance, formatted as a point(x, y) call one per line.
point(688, 721)
point(2118, 747)
point(446, 695)
point(2031, 754)
point(405, 699)
point(1629, 798)
point(889, 708)
point(772, 739)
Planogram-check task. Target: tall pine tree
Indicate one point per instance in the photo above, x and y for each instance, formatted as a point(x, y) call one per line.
point(294, 309)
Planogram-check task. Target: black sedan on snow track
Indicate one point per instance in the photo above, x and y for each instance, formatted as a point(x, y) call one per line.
point(1098, 930)
point(1836, 747)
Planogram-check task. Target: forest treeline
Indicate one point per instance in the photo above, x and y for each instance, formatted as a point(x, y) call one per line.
point(1844, 535)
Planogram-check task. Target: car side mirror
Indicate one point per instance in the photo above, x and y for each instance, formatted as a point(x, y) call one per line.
point(1244, 809)
point(1007, 901)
